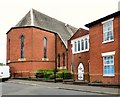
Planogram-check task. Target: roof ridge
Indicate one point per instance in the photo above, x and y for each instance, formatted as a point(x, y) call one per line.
point(52, 17)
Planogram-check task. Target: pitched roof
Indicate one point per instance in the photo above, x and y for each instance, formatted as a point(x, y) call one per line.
point(40, 20)
point(79, 33)
point(103, 19)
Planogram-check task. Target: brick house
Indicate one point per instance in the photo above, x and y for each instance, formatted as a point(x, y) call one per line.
point(104, 50)
point(37, 42)
point(78, 54)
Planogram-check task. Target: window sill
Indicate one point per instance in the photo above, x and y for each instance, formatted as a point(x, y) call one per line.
point(81, 51)
point(8, 61)
point(104, 42)
point(111, 75)
point(45, 59)
point(22, 59)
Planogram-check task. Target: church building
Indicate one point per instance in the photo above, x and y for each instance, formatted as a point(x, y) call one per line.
point(37, 42)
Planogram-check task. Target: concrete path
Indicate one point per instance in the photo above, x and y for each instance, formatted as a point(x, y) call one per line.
point(93, 89)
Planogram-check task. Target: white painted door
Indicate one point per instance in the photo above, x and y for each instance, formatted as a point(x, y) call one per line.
point(80, 72)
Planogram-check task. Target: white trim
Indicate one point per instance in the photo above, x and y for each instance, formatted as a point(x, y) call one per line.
point(108, 54)
point(108, 20)
point(109, 75)
point(22, 59)
point(107, 41)
point(79, 39)
point(8, 61)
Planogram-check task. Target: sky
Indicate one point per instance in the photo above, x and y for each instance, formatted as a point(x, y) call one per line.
point(74, 12)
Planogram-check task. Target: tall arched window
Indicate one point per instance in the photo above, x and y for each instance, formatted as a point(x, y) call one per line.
point(58, 60)
point(63, 59)
point(22, 46)
point(45, 47)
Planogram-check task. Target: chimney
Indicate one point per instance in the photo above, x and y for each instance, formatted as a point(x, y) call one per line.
point(119, 6)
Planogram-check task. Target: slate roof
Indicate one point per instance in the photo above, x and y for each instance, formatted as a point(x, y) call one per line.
point(40, 20)
point(103, 19)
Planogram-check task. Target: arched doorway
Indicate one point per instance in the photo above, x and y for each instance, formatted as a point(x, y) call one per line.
point(80, 72)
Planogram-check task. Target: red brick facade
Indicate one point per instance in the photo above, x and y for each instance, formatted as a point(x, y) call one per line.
point(33, 50)
point(97, 48)
point(78, 58)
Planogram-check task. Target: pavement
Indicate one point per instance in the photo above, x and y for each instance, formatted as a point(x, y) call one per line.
point(92, 89)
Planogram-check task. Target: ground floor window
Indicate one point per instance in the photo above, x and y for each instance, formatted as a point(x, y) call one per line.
point(108, 65)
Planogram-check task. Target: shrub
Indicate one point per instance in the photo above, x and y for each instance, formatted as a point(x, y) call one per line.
point(44, 73)
point(39, 75)
point(49, 74)
point(65, 74)
point(96, 81)
point(52, 76)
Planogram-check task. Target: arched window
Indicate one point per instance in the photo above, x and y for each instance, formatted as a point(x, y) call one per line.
point(22, 46)
point(58, 60)
point(63, 59)
point(45, 47)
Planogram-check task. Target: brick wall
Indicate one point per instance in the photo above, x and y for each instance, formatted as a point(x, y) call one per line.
point(33, 49)
point(76, 59)
point(97, 48)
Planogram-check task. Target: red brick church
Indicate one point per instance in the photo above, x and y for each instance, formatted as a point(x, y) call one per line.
point(37, 42)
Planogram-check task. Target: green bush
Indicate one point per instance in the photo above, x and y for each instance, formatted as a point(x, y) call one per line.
point(97, 81)
point(52, 76)
point(44, 71)
point(65, 74)
point(49, 74)
point(39, 75)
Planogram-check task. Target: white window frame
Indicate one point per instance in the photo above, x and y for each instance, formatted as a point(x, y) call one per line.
point(107, 41)
point(107, 54)
point(79, 39)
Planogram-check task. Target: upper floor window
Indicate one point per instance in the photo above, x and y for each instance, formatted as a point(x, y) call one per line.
point(75, 46)
point(45, 47)
point(108, 31)
point(80, 44)
point(86, 43)
point(22, 46)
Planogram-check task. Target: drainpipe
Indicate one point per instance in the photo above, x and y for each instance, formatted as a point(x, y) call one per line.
point(55, 58)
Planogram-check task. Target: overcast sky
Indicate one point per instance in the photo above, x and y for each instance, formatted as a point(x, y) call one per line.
point(74, 12)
